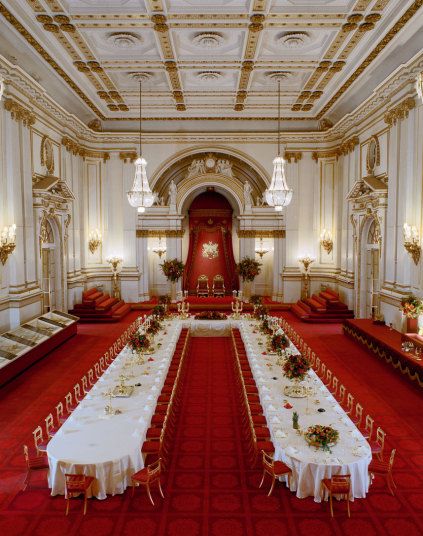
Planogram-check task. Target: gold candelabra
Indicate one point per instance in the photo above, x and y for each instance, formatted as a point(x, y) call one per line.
point(305, 266)
point(7, 242)
point(183, 308)
point(237, 307)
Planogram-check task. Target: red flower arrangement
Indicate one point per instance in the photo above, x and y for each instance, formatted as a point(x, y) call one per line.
point(279, 342)
point(264, 328)
point(159, 310)
point(154, 326)
point(173, 269)
point(411, 306)
point(248, 268)
point(139, 342)
point(320, 436)
point(259, 311)
point(210, 315)
point(296, 367)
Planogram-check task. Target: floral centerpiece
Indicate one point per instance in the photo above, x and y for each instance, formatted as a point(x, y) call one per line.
point(265, 328)
point(256, 299)
point(295, 368)
point(411, 306)
point(248, 268)
point(164, 299)
point(278, 342)
point(321, 437)
point(159, 310)
point(260, 310)
point(154, 326)
point(139, 342)
point(210, 315)
point(172, 269)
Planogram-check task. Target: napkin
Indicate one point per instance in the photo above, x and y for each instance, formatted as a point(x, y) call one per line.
point(154, 388)
point(291, 451)
point(275, 420)
point(338, 409)
point(280, 434)
point(267, 397)
point(272, 407)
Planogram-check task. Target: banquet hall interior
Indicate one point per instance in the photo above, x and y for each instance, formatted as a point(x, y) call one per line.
point(211, 283)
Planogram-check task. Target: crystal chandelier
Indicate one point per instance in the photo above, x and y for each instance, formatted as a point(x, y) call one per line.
point(140, 196)
point(278, 195)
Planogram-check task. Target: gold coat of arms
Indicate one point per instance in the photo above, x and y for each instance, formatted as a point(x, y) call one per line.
point(210, 250)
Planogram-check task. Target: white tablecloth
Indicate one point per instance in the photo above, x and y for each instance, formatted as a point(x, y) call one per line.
point(210, 328)
point(351, 455)
point(108, 447)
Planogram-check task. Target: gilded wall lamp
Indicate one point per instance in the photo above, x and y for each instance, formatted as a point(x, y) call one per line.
point(7, 242)
point(261, 250)
point(116, 266)
point(160, 249)
point(412, 242)
point(94, 240)
point(326, 240)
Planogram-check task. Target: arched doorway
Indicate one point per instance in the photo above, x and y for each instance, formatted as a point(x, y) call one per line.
point(370, 268)
point(210, 251)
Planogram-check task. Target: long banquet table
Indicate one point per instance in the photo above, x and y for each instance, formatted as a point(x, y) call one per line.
point(108, 446)
point(351, 455)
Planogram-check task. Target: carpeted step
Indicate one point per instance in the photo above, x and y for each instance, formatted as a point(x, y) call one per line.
point(303, 305)
point(315, 305)
point(89, 292)
point(122, 311)
point(92, 298)
point(106, 304)
point(329, 296)
point(299, 311)
point(319, 299)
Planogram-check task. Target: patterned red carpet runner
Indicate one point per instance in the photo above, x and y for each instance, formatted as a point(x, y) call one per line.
point(210, 488)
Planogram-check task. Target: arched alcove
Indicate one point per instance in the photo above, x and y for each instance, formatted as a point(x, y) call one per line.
point(236, 170)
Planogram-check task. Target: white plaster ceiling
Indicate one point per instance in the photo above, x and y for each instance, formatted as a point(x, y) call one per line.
point(207, 58)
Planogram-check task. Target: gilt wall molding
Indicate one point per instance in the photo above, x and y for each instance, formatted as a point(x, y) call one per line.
point(400, 111)
point(349, 145)
point(334, 153)
point(77, 150)
point(255, 233)
point(296, 156)
point(19, 112)
point(130, 156)
point(155, 233)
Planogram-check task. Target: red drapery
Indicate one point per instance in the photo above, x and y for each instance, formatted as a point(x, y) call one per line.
point(210, 221)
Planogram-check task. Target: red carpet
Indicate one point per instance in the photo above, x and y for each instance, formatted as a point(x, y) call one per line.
point(209, 487)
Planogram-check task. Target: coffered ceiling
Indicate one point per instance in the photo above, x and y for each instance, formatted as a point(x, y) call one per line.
point(205, 59)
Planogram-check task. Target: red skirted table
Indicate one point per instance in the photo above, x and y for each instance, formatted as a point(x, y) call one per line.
point(386, 344)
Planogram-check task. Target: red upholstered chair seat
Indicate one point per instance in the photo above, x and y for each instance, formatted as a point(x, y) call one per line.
point(150, 447)
point(78, 483)
point(259, 420)
point(280, 468)
point(141, 476)
point(267, 446)
point(154, 433)
point(376, 466)
point(336, 487)
point(162, 408)
point(262, 432)
point(158, 420)
point(256, 409)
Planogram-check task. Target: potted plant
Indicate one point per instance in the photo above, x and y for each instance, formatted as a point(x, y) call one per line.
point(248, 269)
point(173, 270)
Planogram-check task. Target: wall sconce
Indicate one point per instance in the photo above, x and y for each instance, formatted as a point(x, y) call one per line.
point(261, 250)
point(419, 85)
point(326, 240)
point(94, 240)
point(7, 242)
point(160, 249)
point(412, 242)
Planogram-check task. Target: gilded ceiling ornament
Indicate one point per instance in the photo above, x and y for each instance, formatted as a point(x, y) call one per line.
point(47, 155)
point(210, 250)
point(293, 39)
point(209, 76)
point(124, 40)
point(208, 40)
